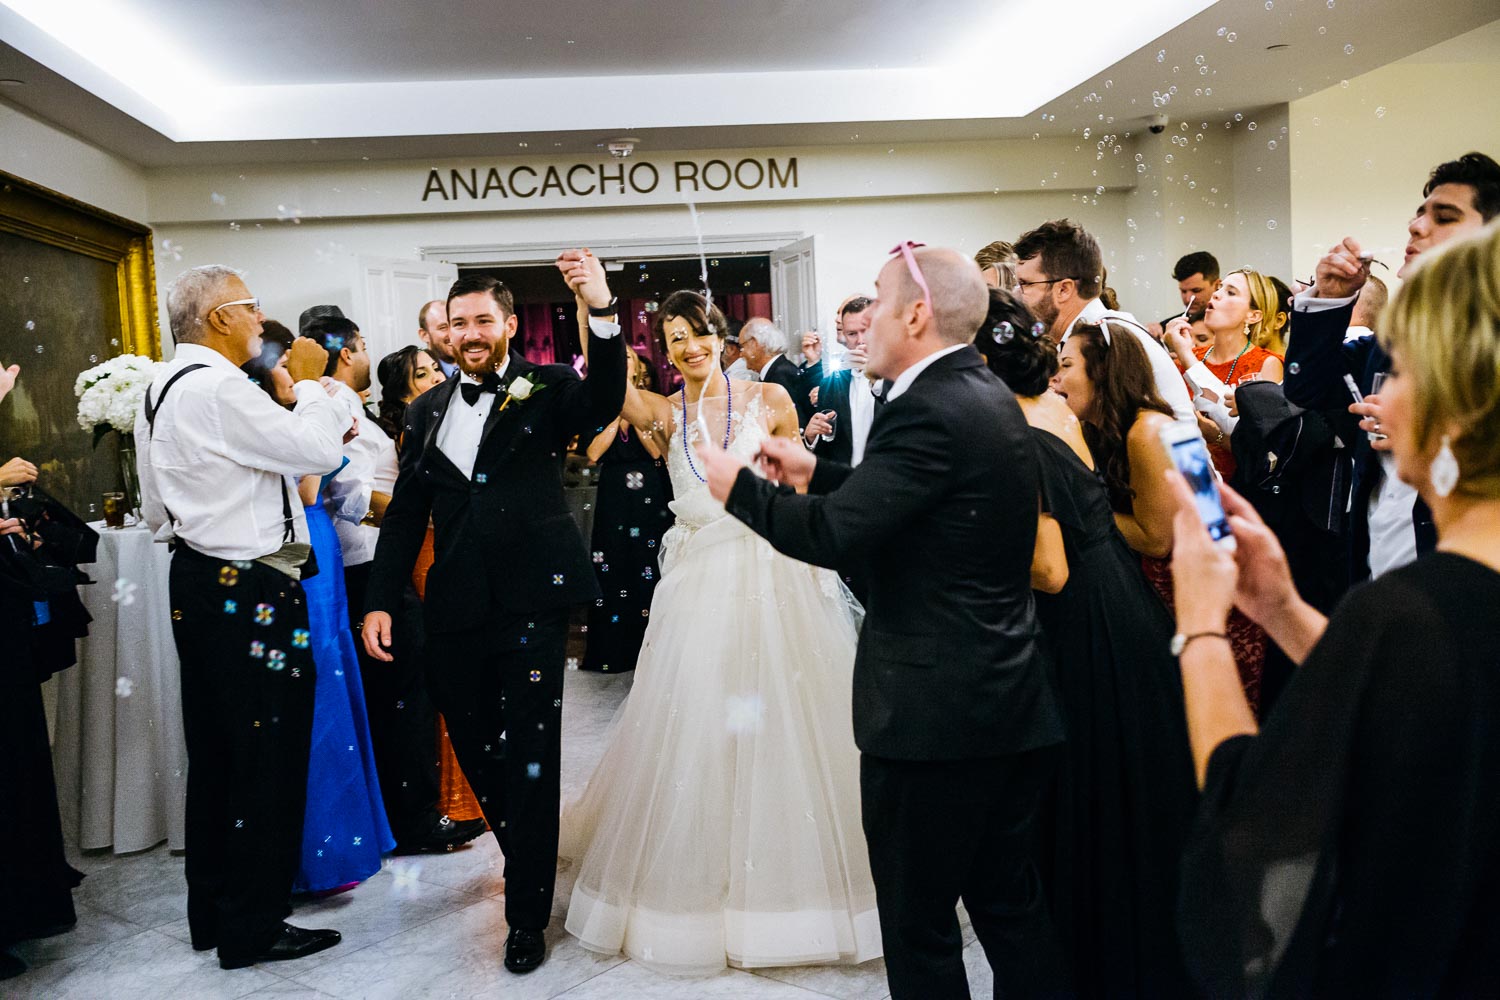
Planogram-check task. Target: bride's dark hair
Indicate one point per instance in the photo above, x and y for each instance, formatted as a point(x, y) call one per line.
point(690, 306)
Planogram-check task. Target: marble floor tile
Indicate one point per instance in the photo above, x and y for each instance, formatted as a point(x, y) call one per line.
point(145, 966)
point(981, 977)
point(630, 981)
point(459, 954)
point(843, 982)
point(146, 888)
point(477, 868)
point(288, 990)
point(94, 930)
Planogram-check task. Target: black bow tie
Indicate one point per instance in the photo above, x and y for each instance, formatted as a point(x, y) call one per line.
point(471, 390)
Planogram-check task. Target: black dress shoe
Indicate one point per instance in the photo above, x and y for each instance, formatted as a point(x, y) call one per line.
point(445, 835)
point(292, 943)
point(524, 950)
point(10, 965)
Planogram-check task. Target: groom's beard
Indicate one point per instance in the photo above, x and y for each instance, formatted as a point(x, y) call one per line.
point(485, 365)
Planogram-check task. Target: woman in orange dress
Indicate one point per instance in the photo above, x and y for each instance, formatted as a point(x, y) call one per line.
point(456, 799)
point(1242, 316)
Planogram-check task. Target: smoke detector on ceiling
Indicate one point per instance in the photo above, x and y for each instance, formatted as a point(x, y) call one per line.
point(622, 147)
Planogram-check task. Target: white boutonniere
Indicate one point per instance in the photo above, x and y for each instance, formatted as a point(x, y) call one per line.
point(520, 389)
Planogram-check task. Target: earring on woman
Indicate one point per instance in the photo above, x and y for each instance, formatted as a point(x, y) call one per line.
point(1444, 469)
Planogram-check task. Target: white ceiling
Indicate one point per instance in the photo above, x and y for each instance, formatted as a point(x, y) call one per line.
point(208, 81)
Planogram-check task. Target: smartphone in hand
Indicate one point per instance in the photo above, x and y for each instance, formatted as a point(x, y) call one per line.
point(1190, 455)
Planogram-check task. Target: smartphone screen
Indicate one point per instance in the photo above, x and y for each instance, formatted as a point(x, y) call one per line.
point(1191, 458)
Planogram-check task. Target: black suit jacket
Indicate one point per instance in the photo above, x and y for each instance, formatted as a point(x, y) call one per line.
point(798, 383)
point(504, 539)
point(942, 515)
point(1317, 358)
point(833, 394)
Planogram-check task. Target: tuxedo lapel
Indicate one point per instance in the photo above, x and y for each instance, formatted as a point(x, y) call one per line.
point(442, 398)
point(500, 413)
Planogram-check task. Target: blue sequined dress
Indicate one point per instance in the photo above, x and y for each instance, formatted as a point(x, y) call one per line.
point(345, 830)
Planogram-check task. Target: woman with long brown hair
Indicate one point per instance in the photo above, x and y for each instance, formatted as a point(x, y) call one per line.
point(1107, 381)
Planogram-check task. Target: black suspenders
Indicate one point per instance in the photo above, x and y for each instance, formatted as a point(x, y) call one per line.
point(287, 534)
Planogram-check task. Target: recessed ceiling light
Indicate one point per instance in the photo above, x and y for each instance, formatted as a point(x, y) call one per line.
point(1278, 45)
point(12, 83)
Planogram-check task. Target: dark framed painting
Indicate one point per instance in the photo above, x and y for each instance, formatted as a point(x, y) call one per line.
point(77, 286)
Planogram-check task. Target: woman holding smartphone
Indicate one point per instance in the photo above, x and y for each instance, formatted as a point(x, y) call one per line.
point(1351, 846)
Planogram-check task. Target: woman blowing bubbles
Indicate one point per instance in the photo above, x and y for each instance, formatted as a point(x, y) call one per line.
point(1350, 847)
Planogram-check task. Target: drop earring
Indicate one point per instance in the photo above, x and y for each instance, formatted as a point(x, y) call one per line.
point(1444, 469)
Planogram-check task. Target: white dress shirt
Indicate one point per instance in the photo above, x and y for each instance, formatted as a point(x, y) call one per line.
point(372, 466)
point(861, 414)
point(1169, 384)
point(463, 425)
point(906, 378)
point(220, 453)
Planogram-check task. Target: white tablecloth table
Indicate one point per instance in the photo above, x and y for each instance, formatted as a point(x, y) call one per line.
point(118, 751)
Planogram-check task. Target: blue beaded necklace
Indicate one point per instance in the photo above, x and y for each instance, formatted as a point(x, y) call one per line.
point(728, 423)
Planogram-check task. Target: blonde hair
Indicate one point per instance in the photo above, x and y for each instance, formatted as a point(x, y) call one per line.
point(1263, 296)
point(1445, 321)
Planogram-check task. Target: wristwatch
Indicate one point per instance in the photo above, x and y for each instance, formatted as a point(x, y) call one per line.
point(1180, 641)
point(604, 312)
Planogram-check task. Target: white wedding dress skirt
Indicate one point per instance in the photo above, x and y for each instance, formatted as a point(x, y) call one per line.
point(722, 824)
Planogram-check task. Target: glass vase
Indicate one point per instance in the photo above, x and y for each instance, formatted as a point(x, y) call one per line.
point(129, 475)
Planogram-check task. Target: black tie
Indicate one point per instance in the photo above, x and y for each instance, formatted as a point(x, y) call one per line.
point(885, 387)
point(471, 391)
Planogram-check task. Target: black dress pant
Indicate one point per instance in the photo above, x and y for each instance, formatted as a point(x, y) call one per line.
point(247, 704)
point(403, 725)
point(499, 685)
point(941, 831)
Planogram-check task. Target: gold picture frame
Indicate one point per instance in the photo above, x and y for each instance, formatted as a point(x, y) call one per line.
point(36, 213)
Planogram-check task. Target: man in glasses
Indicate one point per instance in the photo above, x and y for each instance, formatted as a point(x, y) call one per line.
point(1060, 275)
point(953, 712)
point(216, 455)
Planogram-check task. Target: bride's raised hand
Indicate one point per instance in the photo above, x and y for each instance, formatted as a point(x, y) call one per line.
point(786, 461)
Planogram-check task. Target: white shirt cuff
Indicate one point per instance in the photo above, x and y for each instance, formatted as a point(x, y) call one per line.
point(1306, 301)
point(603, 328)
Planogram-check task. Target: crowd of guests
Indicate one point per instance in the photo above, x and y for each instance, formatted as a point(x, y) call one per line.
point(1277, 772)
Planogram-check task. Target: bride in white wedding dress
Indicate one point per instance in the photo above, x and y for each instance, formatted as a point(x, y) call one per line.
point(722, 825)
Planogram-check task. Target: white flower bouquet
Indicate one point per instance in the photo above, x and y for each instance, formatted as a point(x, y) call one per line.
point(110, 394)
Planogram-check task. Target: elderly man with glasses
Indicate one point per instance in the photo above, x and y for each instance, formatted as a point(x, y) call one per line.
point(217, 459)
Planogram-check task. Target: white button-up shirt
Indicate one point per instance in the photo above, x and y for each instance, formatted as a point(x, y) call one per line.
point(220, 453)
point(861, 414)
point(372, 466)
point(463, 425)
point(1168, 376)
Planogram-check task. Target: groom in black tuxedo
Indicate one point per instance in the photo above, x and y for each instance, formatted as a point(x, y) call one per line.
point(953, 710)
point(483, 456)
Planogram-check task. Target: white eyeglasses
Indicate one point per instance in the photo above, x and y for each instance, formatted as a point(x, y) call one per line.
point(254, 305)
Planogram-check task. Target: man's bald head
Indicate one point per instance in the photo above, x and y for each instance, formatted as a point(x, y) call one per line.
point(960, 298)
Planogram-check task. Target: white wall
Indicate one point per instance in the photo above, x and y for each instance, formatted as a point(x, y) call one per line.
point(293, 266)
point(1361, 152)
point(40, 152)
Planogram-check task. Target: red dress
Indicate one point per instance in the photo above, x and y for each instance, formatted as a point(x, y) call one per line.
point(1231, 373)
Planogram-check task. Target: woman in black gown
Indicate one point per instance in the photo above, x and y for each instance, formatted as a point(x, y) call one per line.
point(630, 515)
point(1351, 846)
point(36, 881)
point(1125, 796)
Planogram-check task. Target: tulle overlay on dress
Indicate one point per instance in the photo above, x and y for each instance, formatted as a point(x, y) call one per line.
point(722, 825)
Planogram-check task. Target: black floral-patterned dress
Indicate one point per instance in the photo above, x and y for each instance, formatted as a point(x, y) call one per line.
point(630, 515)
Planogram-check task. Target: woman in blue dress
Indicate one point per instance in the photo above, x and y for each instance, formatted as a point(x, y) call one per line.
point(344, 831)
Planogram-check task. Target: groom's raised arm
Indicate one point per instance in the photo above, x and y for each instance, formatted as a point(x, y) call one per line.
point(906, 468)
point(603, 391)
